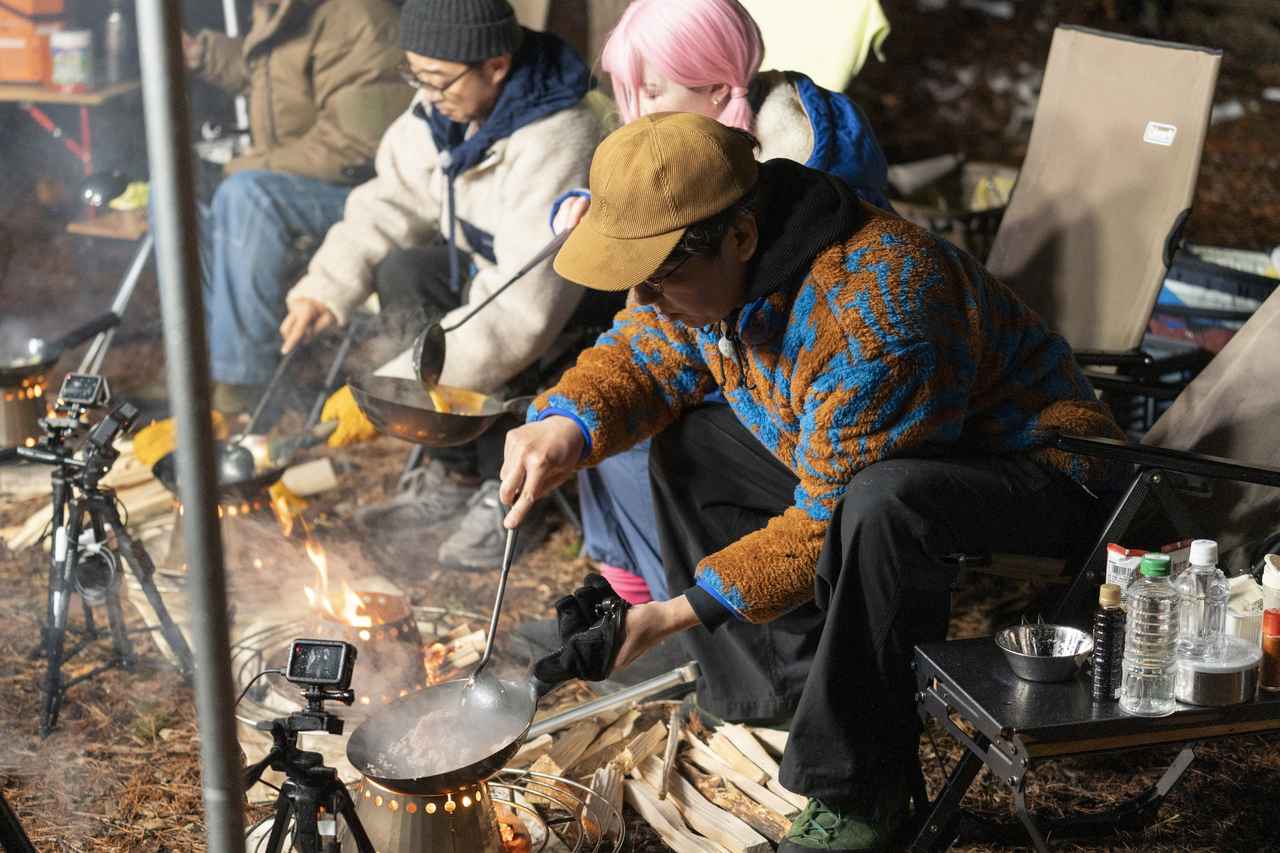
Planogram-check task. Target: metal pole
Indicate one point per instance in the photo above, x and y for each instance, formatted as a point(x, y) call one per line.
point(168, 126)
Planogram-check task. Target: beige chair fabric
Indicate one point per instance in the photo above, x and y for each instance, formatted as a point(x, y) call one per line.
point(1111, 165)
point(1232, 409)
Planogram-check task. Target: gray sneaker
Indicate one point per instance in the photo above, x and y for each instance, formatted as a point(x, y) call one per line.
point(478, 541)
point(427, 497)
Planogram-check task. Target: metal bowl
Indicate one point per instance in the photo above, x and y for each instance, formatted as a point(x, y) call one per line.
point(1044, 652)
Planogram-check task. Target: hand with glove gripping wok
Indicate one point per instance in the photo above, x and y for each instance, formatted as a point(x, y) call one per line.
point(590, 622)
point(353, 426)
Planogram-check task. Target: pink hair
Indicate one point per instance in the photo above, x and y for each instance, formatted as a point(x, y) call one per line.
point(694, 43)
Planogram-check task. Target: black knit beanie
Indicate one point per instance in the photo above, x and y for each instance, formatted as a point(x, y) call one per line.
point(459, 30)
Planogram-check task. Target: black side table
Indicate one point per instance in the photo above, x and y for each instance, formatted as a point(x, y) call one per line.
point(1009, 725)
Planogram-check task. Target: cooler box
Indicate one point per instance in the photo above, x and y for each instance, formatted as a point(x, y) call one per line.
point(25, 26)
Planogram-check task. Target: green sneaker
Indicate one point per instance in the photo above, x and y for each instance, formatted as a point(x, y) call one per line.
point(819, 827)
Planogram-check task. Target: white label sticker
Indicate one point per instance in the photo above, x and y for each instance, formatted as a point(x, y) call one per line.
point(1159, 134)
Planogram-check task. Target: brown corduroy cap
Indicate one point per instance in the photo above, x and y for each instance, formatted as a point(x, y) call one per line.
point(650, 180)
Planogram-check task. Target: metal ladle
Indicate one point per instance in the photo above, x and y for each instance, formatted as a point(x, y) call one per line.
point(484, 690)
point(428, 347)
point(237, 463)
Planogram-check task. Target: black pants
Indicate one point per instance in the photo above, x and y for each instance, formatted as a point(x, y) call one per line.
point(843, 661)
point(413, 288)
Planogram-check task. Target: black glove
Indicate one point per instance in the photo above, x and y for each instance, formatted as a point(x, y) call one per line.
point(590, 622)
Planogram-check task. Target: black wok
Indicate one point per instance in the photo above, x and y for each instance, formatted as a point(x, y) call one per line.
point(246, 489)
point(450, 734)
point(38, 355)
point(403, 408)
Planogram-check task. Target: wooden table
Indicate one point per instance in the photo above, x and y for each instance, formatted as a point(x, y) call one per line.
point(30, 98)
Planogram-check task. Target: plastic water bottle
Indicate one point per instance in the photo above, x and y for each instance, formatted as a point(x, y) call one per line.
point(1151, 633)
point(1202, 612)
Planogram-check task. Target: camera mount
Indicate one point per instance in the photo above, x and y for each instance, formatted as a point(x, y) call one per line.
point(312, 795)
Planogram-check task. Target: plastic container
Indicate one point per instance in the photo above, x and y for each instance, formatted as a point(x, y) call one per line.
point(1150, 636)
point(1271, 582)
point(24, 46)
point(1108, 645)
point(1244, 609)
point(1227, 676)
point(1203, 610)
point(1122, 566)
point(71, 57)
point(1270, 679)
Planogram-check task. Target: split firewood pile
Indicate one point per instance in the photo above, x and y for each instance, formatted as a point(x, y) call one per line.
point(703, 787)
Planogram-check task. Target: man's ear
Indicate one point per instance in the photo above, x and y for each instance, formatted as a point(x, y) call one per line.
point(496, 69)
point(744, 237)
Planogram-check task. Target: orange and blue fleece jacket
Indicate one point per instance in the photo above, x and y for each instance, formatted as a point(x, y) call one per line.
point(890, 343)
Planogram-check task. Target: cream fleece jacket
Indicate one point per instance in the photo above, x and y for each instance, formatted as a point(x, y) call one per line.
point(507, 195)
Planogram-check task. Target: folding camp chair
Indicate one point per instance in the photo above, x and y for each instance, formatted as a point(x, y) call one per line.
point(1103, 196)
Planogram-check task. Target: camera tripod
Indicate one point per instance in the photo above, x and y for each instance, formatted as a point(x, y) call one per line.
point(311, 789)
point(77, 494)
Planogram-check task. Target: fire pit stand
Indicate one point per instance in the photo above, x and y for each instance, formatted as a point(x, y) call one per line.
point(517, 811)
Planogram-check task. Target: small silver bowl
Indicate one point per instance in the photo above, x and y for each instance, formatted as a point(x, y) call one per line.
point(1044, 652)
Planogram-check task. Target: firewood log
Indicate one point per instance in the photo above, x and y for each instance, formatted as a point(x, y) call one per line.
point(774, 740)
point(734, 757)
point(701, 755)
point(767, 822)
point(703, 816)
point(664, 819)
point(643, 745)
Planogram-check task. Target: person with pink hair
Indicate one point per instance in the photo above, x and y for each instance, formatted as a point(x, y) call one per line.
point(703, 56)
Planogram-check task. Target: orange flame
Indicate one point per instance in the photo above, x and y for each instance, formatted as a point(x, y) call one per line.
point(351, 610)
point(280, 506)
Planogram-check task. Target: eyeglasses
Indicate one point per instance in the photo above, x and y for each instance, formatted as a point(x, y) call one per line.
point(411, 77)
point(652, 286)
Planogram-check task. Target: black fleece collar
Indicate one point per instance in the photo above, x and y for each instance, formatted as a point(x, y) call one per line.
point(800, 212)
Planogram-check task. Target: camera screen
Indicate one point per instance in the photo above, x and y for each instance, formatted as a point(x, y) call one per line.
point(81, 388)
point(314, 661)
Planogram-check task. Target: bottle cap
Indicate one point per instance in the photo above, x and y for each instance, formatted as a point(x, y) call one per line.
point(1204, 552)
point(1271, 622)
point(1109, 595)
point(1271, 571)
point(1155, 565)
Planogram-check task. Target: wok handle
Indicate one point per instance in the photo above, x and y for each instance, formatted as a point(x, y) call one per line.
point(82, 333)
point(508, 555)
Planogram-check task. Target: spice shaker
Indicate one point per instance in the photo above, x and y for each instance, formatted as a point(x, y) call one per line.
point(1270, 650)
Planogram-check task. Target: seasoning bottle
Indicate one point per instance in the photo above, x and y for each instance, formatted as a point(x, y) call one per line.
point(1270, 679)
point(1108, 644)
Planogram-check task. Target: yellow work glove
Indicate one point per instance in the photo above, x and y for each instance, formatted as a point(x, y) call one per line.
point(284, 500)
point(157, 440)
point(353, 426)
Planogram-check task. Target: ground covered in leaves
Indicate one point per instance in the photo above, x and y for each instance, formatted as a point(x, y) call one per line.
point(121, 773)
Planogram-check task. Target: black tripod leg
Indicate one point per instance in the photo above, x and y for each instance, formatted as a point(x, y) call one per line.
point(343, 805)
point(280, 823)
point(13, 838)
point(143, 569)
point(60, 596)
point(57, 553)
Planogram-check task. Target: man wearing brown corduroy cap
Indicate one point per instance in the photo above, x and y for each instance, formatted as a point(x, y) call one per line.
point(890, 403)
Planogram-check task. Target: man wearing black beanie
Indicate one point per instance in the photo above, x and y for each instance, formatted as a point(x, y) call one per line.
point(465, 182)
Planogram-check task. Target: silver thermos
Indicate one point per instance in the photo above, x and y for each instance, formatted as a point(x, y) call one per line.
point(115, 41)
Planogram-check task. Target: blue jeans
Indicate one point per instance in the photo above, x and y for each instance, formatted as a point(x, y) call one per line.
point(251, 251)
